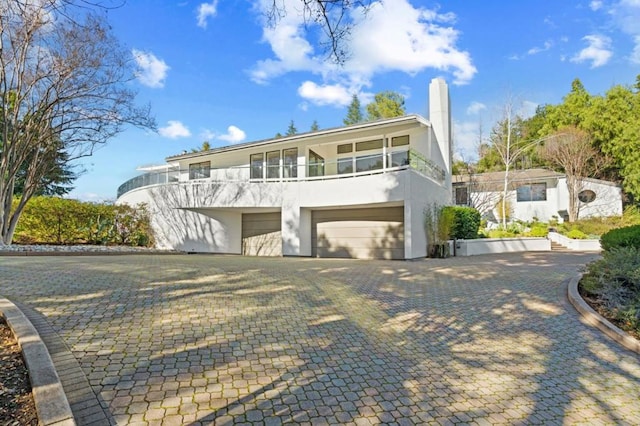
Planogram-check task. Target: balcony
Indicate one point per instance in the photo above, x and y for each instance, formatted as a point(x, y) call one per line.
point(315, 170)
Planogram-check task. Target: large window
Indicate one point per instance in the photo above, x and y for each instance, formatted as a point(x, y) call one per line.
point(398, 158)
point(532, 192)
point(345, 165)
point(368, 162)
point(316, 164)
point(200, 170)
point(257, 166)
point(273, 165)
point(290, 162)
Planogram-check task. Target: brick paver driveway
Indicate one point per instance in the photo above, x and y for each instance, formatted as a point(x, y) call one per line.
point(219, 339)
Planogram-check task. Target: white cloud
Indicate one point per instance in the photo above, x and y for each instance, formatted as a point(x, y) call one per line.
point(427, 40)
point(174, 130)
point(598, 51)
point(626, 15)
point(535, 50)
point(475, 108)
point(151, 70)
point(205, 11)
point(233, 135)
point(595, 5)
point(328, 94)
point(635, 54)
point(466, 140)
point(207, 135)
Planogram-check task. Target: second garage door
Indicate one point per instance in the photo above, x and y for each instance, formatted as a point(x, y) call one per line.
point(261, 234)
point(376, 233)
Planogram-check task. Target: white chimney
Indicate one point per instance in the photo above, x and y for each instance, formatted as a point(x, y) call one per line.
point(440, 118)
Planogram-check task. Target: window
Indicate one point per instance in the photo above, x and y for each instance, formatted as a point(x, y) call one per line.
point(586, 196)
point(400, 140)
point(532, 192)
point(398, 158)
point(368, 145)
point(368, 162)
point(345, 148)
point(462, 195)
point(345, 165)
point(316, 164)
point(273, 165)
point(290, 162)
point(200, 170)
point(256, 161)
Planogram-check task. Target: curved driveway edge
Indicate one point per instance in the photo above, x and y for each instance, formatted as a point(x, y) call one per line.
point(591, 317)
point(49, 397)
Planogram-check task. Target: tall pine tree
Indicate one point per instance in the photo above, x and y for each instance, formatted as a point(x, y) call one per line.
point(354, 112)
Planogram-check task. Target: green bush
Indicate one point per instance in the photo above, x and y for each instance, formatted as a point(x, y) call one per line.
point(615, 280)
point(466, 222)
point(621, 237)
point(55, 220)
point(576, 234)
point(537, 230)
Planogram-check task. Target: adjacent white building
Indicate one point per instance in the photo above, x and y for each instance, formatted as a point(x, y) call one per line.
point(535, 194)
point(356, 191)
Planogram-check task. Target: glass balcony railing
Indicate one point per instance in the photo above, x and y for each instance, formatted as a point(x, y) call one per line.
point(361, 165)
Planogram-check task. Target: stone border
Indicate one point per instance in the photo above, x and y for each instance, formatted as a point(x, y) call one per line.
point(592, 318)
point(51, 402)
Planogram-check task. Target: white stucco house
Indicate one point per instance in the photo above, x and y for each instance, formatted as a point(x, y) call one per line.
point(356, 191)
point(535, 193)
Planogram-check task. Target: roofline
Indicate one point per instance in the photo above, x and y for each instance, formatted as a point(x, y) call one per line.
point(301, 136)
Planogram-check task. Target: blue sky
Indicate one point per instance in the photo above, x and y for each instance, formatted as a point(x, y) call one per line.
point(216, 71)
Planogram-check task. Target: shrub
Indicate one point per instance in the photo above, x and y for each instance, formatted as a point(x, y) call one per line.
point(577, 234)
point(621, 237)
point(615, 279)
point(55, 220)
point(538, 230)
point(466, 222)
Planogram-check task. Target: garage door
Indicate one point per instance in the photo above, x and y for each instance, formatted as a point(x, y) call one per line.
point(261, 234)
point(360, 233)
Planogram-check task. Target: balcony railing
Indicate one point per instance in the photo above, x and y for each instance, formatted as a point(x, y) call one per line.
point(347, 167)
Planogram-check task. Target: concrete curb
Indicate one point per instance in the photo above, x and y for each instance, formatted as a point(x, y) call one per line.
point(51, 402)
point(592, 318)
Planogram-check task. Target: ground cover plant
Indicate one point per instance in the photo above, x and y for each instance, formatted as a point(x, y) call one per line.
point(612, 284)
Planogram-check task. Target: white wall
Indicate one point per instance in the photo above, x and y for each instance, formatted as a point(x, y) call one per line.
point(207, 217)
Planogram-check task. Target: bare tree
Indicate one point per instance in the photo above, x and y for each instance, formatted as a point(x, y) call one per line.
point(571, 150)
point(63, 85)
point(331, 15)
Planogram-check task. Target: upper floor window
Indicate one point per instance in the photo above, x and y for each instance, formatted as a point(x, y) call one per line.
point(200, 170)
point(316, 164)
point(368, 145)
point(257, 166)
point(345, 148)
point(273, 164)
point(290, 162)
point(532, 192)
point(400, 140)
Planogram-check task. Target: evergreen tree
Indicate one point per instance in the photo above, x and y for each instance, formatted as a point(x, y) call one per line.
point(314, 126)
point(291, 130)
point(354, 112)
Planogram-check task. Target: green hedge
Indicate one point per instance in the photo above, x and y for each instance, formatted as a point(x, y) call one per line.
point(54, 220)
point(621, 237)
point(466, 222)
